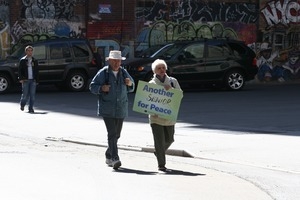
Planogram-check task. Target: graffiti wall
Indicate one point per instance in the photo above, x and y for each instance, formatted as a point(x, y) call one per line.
point(4, 29)
point(280, 23)
point(38, 20)
point(165, 21)
point(280, 27)
point(157, 22)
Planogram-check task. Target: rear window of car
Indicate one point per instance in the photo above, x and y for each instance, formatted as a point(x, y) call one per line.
point(80, 50)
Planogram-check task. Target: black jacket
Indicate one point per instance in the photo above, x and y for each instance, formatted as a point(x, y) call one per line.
point(23, 72)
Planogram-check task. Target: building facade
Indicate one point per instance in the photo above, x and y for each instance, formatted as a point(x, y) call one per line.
point(133, 25)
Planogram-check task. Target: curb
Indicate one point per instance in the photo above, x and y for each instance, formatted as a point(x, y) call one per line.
point(173, 152)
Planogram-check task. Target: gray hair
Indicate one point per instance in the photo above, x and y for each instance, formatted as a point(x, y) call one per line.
point(158, 62)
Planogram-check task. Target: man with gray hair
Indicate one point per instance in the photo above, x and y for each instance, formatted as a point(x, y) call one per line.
point(112, 84)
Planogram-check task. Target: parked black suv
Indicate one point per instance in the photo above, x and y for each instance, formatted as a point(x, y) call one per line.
point(65, 62)
point(211, 62)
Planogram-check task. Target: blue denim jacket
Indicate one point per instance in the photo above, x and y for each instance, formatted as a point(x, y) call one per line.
point(115, 102)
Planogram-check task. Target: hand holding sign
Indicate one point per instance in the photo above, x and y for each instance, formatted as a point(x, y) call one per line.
point(155, 99)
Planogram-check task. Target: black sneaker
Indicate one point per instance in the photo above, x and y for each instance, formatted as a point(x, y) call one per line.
point(162, 168)
point(31, 111)
point(22, 108)
point(116, 164)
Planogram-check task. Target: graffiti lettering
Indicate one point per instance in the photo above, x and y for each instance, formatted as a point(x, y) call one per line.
point(285, 13)
point(4, 3)
point(198, 11)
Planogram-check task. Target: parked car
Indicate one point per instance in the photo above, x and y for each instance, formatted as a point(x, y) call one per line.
point(65, 62)
point(210, 62)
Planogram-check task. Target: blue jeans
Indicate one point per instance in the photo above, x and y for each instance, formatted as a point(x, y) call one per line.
point(276, 72)
point(28, 92)
point(113, 127)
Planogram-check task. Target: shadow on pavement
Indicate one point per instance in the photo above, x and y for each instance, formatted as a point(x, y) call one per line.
point(180, 172)
point(169, 172)
point(38, 113)
point(134, 171)
point(252, 110)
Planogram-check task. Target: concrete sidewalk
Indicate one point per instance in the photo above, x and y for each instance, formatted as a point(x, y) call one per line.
point(136, 137)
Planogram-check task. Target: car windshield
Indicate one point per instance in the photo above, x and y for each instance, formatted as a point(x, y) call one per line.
point(20, 52)
point(168, 51)
point(154, 51)
point(148, 53)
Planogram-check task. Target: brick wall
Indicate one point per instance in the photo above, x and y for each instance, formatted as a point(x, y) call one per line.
point(117, 25)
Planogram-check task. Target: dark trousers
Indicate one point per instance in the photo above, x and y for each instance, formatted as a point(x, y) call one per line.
point(163, 138)
point(113, 127)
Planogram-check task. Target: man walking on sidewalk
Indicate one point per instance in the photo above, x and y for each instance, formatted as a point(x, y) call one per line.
point(112, 84)
point(28, 77)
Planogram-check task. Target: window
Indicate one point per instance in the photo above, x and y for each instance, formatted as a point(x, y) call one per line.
point(218, 50)
point(278, 40)
point(39, 52)
point(171, 50)
point(59, 51)
point(194, 51)
point(80, 50)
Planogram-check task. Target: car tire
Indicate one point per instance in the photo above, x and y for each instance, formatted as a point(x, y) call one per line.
point(234, 80)
point(76, 81)
point(5, 83)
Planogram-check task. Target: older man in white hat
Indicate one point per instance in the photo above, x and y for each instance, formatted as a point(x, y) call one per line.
point(111, 84)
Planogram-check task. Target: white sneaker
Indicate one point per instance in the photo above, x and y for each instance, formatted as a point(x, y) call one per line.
point(108, 162)
point(116, 164)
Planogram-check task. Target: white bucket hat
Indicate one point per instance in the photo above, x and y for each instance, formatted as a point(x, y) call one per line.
point(115, 55)
point(265, 46)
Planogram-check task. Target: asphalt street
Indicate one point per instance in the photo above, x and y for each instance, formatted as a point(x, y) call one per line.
point(207, 163)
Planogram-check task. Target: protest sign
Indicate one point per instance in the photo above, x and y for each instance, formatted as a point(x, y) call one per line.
point(155, 99)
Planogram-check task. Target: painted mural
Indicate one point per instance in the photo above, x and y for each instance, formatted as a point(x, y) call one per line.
point(40, 20)
point(167, 21)
point(4, 29)
point(275, 22)
point(280, 29)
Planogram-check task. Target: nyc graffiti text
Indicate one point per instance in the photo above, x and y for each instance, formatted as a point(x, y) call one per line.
point(281, 12)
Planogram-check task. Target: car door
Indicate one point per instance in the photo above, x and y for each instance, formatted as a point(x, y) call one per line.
point(40, 53)
point(59, 59)
point(189, 66)
point(217, 59)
